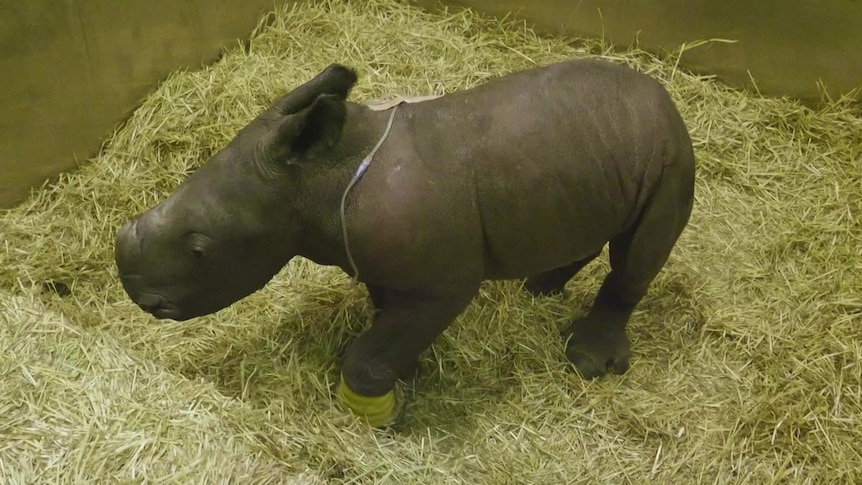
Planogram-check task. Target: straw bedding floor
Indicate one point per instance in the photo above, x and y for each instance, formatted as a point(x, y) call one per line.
point(747, 349)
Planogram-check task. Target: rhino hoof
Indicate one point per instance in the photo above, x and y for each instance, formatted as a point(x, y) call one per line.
point(596, 352)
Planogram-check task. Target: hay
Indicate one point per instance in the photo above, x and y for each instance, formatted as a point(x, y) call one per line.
point(747, 350)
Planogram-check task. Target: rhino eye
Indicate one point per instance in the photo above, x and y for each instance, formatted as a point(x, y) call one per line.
point(199, 245)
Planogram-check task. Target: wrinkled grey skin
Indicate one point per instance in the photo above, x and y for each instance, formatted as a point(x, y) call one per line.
point(526, 176)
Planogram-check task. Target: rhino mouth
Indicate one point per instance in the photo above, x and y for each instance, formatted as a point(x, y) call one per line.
point(168, 312)
point(158, 306)
point(152, 303)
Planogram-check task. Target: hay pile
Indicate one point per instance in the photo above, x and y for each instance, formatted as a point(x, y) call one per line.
point(747, 350)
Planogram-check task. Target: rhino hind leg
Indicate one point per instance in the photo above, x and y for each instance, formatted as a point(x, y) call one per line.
point(553, 282)
point(598, 343)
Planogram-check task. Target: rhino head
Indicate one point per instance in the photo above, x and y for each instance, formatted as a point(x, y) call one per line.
point(232, 224)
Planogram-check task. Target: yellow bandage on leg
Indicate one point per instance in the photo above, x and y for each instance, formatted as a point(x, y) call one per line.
point(377, 410)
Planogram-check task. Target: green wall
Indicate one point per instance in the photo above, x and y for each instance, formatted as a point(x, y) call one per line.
point(787, 46)
point(74, 69)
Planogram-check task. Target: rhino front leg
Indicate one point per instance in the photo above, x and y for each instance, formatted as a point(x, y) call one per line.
point(407, 325)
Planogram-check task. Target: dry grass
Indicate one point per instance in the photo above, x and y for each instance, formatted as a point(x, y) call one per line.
point(747, 350)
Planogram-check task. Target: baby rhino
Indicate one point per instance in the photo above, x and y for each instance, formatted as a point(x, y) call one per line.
point(526, 176)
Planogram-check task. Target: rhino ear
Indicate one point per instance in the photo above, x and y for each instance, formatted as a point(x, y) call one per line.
point(313, 130)
point(335, 79)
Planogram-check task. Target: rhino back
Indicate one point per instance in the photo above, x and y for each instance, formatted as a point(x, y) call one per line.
point(561, 158)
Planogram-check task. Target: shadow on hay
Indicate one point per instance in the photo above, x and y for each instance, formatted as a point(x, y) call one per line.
point(293, 364)
point(484, 359)
point(287, 357)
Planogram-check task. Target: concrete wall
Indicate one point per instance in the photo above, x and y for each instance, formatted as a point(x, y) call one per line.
point(74, 69)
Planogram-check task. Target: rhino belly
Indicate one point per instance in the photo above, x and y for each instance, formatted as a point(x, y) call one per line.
point(528, 232)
